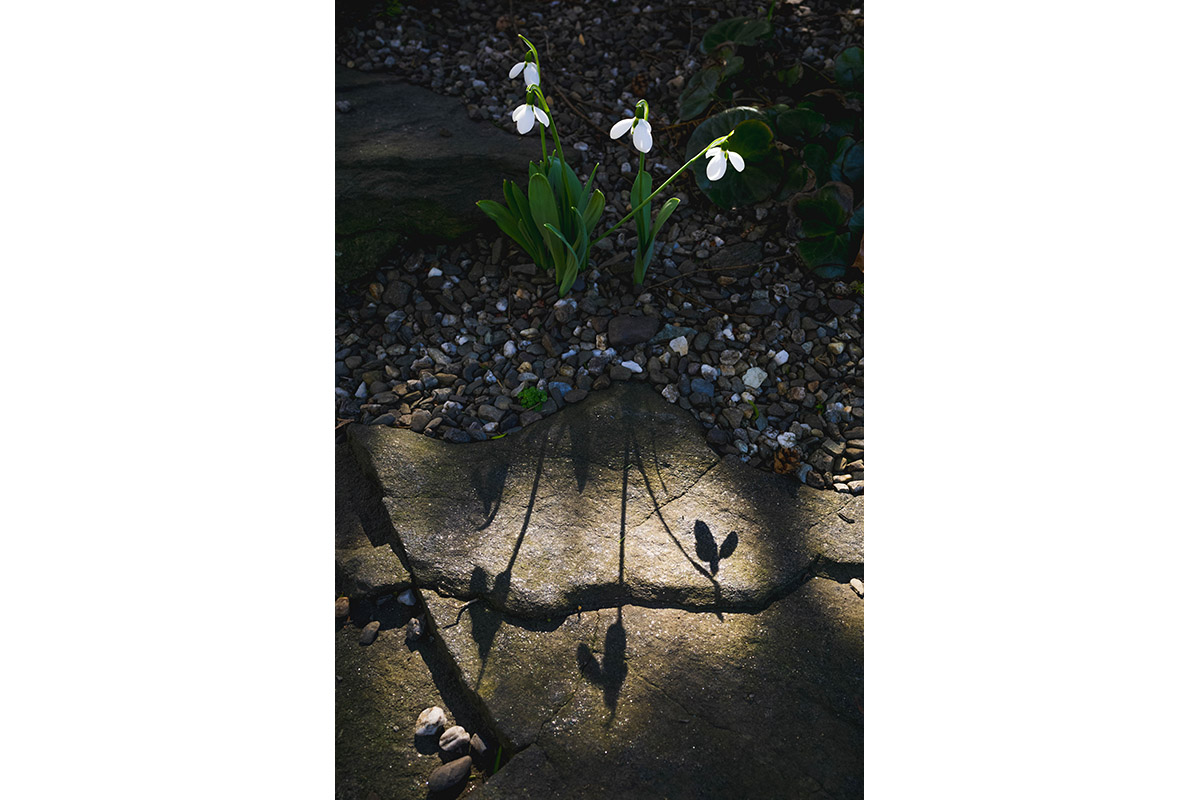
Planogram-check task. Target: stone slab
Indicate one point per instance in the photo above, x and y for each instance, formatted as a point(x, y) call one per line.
point(611, 501)
point(410, 163)
point(367, 563)
point(655, 702)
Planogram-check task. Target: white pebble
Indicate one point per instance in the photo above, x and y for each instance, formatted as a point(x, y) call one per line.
point(782, 357)
point(670, 393)
point(430, 721)
point(709, 372)
point(362, 391)
point(632, 366)
point(679, 345)
point(434, 272)
point(754, 377)
point(510, 348)
point(502, 304)
point(787, 439)
point(407, 598)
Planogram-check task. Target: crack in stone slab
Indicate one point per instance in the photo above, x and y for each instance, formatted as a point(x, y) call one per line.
point(573, 515)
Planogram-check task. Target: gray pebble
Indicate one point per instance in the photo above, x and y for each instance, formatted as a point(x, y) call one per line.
point(454, 740)
point(369, 633)
point(420, 419)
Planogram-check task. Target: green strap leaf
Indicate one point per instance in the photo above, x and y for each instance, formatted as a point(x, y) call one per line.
point(543, 210)
point(639, 192)
point(509, 224)
point(591, 214)
point(661, 220)
point(588, 186)
point(565, 276)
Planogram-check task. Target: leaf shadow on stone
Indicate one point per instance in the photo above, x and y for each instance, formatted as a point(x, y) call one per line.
point(662, 520)
point(706, 546)
point(610, 673)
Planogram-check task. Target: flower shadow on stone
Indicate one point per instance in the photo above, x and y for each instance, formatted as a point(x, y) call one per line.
point(610, 673)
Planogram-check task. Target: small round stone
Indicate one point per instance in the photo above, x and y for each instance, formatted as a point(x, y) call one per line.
point(343, 607)
point(454, 740)
point(430, 721)
point(369, 633)
point(416, 629)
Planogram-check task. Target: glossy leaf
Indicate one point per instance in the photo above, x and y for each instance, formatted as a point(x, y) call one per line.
point(848, 68)
point(764, 166)
point(799, 124)
point(816, 158)
point(738, 31)
point(847, 165)
point(719, 125)
point(826, 256)
point(699, 93)
point(751, 139)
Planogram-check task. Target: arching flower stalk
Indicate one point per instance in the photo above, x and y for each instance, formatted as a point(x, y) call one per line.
point(554, 223)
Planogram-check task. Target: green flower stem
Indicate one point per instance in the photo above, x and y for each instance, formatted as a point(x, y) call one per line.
point(537, 90)
point(667, 183)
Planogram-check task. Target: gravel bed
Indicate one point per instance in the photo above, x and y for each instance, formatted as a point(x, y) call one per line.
point(727, 325)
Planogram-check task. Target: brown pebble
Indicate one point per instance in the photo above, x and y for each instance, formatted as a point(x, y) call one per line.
point(450, 775)
point(343, 607)
point(369, 633)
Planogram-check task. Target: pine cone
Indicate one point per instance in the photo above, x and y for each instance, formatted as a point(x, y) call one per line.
point(786, 460)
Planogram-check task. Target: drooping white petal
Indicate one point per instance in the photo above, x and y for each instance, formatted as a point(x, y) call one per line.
point(541, 116)
point(517, 112)
point(531, 75)
point(525, 119)
point(516, 70)
point(620, 128)
point(641, 136)
point(712, 151)
point(716, 167)
point(737, 161)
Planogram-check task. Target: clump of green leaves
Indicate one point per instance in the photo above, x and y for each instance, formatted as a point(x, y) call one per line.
point(806, 148)
point(548, 223)
point(720, 44)
point(393, 9)
point(532, 398)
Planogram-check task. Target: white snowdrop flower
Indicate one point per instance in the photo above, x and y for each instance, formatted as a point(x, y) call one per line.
point(525, 114)
point(530, 71)
point(719, 158)
point(641, 132)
